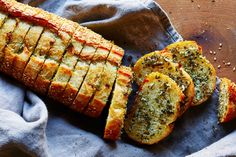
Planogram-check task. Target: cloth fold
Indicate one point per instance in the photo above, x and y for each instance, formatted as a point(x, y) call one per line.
point(36, 126)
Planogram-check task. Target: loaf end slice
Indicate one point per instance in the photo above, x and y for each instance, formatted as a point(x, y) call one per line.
point(155, 110)
point(117, 109)
point(227, 101)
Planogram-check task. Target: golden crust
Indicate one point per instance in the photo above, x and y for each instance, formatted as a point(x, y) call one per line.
point(116, 55)
point(5, 35)
point(59, 82)
point(95, 107)
point(227, 101)
point(14, 46)
point(90, 84)
point(42, 82)
point(100, 98)
point(92, 80)
point(74, 83)
point(156, 108)
point(37, 59)
point(117, 110)
point(51, 64)
point(23, 57)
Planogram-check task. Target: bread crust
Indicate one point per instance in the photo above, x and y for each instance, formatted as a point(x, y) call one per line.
point(227, 101)
point(100, 98)
point(156, 108)
point(5, 35)
point(36, 61)
point(22, 58)
point(161, 62)
point(51, 64)
point(14, 46)
point(117, 109)
point(189, 55)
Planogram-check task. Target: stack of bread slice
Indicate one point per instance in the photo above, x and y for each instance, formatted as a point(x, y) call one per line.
point(60, 59)
point(170, 82)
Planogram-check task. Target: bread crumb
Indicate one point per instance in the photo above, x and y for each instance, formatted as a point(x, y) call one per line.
point(228, 63)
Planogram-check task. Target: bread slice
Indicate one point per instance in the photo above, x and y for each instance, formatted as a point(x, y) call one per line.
point(160, 62)
point(54, 57)
point(30, 41)
point(5, 35)
point(14, 46)
point(79, 72)
point(117, 109)
point(46, 41)
point(155, 110)
point(92, 80)
point(37, 59)
point(227, 100)
point(22, 58)
point(100, 98)
point(67, 88)
point(188, 55)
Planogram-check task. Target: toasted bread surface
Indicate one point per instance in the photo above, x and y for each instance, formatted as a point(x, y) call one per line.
point(36, 61)
point(117, 109)
point(202, 72)
point(158, 62)
point(108, 77)
point(5, 35)
point(14, 46)
point(156, 108)
point(23, 56)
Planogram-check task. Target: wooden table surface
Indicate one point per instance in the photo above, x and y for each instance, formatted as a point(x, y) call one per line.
point(211, 23)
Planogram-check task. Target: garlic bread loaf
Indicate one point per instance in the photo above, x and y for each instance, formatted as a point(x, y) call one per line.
point(117, 109)
point(57, 58)
point(160, 62)
point(227, 100)
point(156, 108)
point(189, 55)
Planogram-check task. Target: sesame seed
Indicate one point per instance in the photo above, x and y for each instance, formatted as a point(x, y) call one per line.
point(224, 61)
point(214, 58)
point(210, 52)
point(220, 44)
point(219, 48)
point(219, 66)
point(228, 63)
point(228, 28)
point(198, 6)
point(234, 69)
point(214, 52)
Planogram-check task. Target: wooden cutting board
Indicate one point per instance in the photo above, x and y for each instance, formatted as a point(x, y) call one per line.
point(212, 23)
